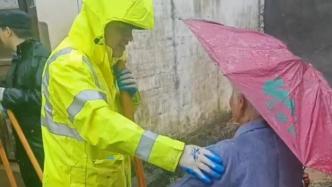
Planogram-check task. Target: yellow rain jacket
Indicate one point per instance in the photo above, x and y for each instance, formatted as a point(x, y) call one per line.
point(87, 141)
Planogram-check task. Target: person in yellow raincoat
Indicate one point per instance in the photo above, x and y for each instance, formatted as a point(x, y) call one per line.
point(87, 141)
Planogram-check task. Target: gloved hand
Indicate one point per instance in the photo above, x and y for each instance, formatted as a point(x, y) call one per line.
point(201, 163)
point(126, 81)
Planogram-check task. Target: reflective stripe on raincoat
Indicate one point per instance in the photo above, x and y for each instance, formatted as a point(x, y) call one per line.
point(87, 141)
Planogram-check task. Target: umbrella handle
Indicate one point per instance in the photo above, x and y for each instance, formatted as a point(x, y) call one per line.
point(25, 144)
point(128, 110)
point(6, 165)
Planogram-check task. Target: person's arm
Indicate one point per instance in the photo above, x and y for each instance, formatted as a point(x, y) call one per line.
point(79, 102)
point(15, 97)
point(72, 85)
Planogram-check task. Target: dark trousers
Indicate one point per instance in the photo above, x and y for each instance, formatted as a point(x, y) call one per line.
point(28, 173)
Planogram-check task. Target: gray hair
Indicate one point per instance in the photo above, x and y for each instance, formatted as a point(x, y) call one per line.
point(236, 93)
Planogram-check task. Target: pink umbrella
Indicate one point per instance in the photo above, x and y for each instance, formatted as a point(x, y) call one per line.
point(291, 95)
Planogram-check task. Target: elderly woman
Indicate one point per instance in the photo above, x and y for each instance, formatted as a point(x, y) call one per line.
point(255, 156)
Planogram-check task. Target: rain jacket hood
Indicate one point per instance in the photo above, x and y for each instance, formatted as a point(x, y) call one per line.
point(87, 32)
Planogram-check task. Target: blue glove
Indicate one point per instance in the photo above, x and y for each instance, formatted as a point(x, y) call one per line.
point(126, 81)
point(201, 163)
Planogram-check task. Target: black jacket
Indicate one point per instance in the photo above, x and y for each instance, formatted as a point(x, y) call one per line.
point(23, 84)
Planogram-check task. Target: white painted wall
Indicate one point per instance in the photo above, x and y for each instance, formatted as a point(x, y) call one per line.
point(181, 88)
point(59, 15)
point(8, 4)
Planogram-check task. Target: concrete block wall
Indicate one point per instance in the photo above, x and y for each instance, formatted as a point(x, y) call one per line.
point(181, 88)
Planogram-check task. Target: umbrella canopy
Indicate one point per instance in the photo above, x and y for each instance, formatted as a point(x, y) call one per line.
point(292, 96)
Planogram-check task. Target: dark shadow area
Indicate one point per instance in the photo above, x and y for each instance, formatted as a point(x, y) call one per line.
point(306, 27)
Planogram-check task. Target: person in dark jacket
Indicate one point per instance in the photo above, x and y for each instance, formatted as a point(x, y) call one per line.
point(21, 91)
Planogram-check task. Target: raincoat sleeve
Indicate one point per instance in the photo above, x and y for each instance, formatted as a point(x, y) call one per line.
point(17, 97)
point(87, 109)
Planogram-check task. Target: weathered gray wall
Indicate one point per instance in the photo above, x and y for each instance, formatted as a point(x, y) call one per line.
point(181, 88)
point(306, 26)
point(8, 4)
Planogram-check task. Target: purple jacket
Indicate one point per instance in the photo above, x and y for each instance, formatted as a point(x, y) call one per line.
point(254, 157)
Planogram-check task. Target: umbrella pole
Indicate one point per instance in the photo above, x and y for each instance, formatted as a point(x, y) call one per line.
point(6, 165)
point(25, 144)
point(128, 111)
